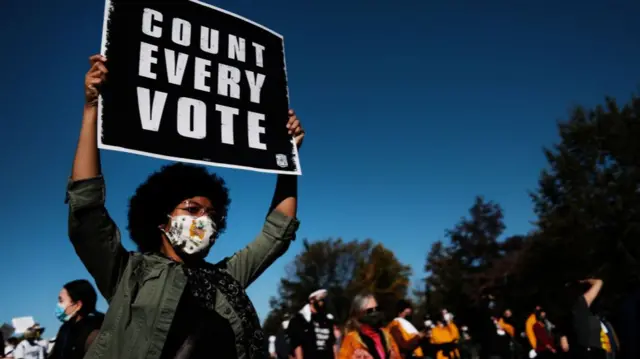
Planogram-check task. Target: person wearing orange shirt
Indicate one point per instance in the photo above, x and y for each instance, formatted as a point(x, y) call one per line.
point(405, 333)
point(445, 334)
point(365, 336)
point(531, 321)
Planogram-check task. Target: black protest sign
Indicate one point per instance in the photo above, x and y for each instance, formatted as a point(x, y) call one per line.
point(190, 82)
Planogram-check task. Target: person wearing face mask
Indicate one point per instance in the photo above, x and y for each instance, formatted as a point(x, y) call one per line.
point(76, 309)
point(311, 330)
point(405, 333)
point(365, 336)
point(445, 335)
point(165, 300)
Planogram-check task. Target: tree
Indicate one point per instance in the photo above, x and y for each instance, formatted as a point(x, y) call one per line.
point(384, 276)
point(588, 200)
point(461, 272)
point(343, 269)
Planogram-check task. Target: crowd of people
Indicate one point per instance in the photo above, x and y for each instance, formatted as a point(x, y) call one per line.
point(577, 333)
point(166, 302)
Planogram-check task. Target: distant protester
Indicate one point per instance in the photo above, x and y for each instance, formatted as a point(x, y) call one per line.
point(311, 332)
point(365, 336)
point(405, 333)
point(584, 337)
point(31, 347)
point(76, 309)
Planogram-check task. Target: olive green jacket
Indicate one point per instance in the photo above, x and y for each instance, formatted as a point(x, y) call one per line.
point(143, 290)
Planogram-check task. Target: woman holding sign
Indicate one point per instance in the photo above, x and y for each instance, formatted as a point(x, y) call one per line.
point(165, 301)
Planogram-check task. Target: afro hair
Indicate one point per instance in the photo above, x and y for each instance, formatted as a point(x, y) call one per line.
point(158, 196)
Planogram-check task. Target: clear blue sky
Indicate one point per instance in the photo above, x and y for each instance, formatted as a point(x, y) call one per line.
point(411, 107)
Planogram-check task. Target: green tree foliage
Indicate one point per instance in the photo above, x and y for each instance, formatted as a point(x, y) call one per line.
point(344, 269)
point(588, 200)
point(459, 271)
point(588, 208)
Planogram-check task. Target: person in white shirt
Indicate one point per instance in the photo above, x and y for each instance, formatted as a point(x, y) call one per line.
point(30, 347)
point(11, 345)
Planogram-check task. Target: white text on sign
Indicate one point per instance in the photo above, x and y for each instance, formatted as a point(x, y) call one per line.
point(192, 113)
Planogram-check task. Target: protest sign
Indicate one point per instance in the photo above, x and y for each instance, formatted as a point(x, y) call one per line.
point(194, 83)
point(21, 324)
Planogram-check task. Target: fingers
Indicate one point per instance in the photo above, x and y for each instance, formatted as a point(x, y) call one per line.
point(101, 67)
point(97, 73)
point(97, 69)
point(293, 125)
point(96, 58)
point(94, 81)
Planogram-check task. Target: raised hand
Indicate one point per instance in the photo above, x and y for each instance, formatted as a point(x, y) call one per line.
point(295, 128)
point(94, 78)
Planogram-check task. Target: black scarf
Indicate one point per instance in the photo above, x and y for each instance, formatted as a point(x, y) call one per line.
point(205, 280)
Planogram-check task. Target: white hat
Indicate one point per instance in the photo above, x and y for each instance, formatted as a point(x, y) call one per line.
point(318, 294)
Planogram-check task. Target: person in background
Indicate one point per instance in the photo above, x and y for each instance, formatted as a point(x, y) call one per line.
point(584, 340)
point(76, 309)
point(445, 335)
point(507, 332)
point(30, 347)
point(38, 330)
point(405, 333)
point(544, 343)
point(365, 336)
point(165, 300)
point(467, 347)
point(505, 323)
point(609, 338)
point(282, 343)
point(12, 342)
point(311, 330)
point(428, 349)
point(528, 326)
point(272, 347)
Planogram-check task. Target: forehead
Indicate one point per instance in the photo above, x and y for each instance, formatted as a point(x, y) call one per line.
point(63, 295)
point(370, 303)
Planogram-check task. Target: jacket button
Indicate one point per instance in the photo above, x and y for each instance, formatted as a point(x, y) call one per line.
point(227, 311)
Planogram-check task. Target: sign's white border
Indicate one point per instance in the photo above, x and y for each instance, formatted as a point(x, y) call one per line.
point(103, 47)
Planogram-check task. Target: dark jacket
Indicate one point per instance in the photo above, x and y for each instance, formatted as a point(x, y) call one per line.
point(74, 338)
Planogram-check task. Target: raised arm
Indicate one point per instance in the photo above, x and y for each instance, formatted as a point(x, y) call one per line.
point(592, 293)
point(93, 234)
point(280, 227)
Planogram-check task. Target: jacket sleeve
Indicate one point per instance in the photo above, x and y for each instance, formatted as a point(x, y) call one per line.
point(277, 233)
point(394, 350)
point(529, 330)
point(542, 338)
point(348, 347)
point(94, 235)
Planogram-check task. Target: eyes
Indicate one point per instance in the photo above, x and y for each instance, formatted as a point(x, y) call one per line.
point(195, 209)
point(371, 310)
